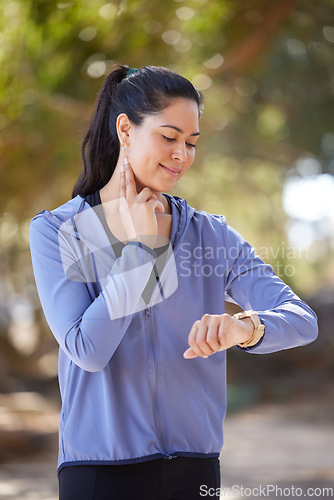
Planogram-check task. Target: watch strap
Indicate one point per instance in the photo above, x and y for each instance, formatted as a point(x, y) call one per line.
point(258, 331)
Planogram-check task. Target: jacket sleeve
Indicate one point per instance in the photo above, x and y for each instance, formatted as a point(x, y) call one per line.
point(87, 328)
point(289, 322)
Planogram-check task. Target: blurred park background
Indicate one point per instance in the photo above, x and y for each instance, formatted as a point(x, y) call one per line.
point(265, 159)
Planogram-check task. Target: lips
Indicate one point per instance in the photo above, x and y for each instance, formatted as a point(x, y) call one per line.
point(174, 172)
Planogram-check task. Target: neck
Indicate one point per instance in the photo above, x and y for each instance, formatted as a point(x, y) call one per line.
point(110, 192)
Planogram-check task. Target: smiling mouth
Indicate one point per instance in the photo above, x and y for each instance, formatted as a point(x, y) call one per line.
point(170, 171)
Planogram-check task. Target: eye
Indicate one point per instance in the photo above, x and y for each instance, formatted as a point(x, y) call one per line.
point(191, 145)
point(168, 139)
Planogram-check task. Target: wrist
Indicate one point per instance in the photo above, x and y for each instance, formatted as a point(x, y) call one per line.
point(249, 327)
point(258, 328)
point(139, 244)
point(148, 241)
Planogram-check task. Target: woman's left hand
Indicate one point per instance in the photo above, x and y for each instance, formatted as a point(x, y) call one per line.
point(213, 333)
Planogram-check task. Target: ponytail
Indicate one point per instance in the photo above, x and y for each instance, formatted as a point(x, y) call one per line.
point(100, 148)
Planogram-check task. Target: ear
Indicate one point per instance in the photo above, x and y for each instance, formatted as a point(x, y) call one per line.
point(123, 127)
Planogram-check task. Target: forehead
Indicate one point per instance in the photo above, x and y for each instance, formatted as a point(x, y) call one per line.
point(181, 113)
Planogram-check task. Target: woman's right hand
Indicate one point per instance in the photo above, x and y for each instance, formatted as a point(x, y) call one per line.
point(138, 210)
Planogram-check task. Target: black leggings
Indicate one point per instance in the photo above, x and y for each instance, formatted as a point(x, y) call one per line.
point(180, 478)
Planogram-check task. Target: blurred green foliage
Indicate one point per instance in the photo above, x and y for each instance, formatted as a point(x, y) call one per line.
point(266, 67)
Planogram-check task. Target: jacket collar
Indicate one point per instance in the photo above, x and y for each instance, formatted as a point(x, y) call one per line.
point(78, 219)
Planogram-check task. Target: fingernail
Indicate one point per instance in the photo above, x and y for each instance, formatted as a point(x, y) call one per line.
point(126, 161)
point(205, 356)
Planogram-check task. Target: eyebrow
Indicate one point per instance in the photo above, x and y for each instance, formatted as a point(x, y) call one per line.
point(179, 130)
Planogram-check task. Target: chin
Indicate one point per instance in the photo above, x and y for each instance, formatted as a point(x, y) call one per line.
point(163, 187)
point(157, 187)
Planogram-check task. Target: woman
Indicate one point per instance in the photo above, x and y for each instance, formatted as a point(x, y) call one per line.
point(132, 282)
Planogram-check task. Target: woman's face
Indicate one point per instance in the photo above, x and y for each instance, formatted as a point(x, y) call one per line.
point(162, 148)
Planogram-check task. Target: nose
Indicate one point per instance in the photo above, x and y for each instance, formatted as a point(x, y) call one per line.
point(180, 153)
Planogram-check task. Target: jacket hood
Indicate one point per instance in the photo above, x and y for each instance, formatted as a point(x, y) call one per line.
point(182, 214)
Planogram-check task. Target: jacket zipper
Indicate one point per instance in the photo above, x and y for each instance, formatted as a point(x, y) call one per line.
point(156, 408)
